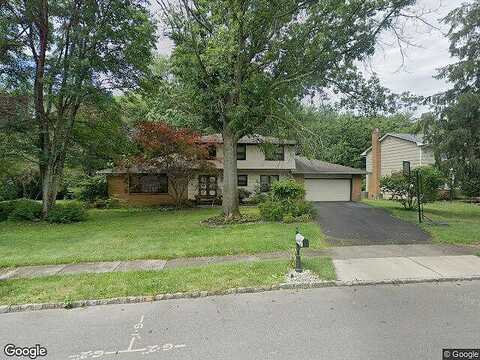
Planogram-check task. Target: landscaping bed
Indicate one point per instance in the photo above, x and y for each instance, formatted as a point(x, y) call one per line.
point(460, 221)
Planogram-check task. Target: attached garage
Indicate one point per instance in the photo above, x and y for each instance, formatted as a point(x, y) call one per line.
point(327, 189)
point(328, 182)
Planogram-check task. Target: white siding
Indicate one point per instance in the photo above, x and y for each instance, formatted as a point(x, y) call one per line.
point(428, 157)
point(395, 151)
point(255, 158)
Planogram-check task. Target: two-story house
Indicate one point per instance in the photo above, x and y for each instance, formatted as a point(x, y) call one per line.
point(388, 153)
point(257, 170)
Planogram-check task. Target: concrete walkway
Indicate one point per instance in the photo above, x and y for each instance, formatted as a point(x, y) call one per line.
point(408, 268)
point(352, 262)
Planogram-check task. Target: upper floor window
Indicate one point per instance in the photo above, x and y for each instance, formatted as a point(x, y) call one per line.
point(148, 183)
point(275, 153)
point(241, 151)
point(212, 152)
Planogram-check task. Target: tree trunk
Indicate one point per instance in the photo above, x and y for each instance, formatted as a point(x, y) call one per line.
point(47, 188)
point(230, 189)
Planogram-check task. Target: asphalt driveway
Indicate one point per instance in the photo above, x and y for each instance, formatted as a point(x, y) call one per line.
point(352, 223)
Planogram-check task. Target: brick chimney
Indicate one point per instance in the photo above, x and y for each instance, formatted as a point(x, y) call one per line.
point(374, 178)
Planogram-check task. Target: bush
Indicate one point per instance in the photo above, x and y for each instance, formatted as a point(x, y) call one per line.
point(243, 195)
point(403, 189)
point(432, 180)
point(6, 207)
point(272, 210)
point(285, 202)
point(25, 209)
point(67, 213)
point(470, 180)
point(92, 188)
point(257, 198)
point(287, 189)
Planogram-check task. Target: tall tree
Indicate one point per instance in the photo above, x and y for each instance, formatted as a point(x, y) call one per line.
point(71, 52)
point(464, 36)
point(243, 61)
point(454, 127)
point(341, 138)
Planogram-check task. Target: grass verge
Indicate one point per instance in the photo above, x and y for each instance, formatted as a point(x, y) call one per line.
point(124, 234)
point(463, 220)
point(109, 285)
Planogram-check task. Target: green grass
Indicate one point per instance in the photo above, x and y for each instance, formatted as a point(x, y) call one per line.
point(108, 285)
point(463, 220)
point(124, 234)
point(322, 266)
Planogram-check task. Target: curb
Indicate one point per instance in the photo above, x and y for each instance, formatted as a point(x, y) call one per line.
point(241, 290)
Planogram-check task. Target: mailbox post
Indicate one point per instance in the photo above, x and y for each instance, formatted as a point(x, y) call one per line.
point(300, 242)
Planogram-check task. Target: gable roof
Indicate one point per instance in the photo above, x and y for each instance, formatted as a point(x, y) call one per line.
point(252, 139)
point(313, 166)
point(417, 139)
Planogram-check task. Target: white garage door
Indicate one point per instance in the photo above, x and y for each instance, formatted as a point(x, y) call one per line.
point(327, 189)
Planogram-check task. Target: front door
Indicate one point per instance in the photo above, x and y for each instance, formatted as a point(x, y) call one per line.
point(207, 186)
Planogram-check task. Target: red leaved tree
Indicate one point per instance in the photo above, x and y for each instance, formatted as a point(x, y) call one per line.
point(179, 153)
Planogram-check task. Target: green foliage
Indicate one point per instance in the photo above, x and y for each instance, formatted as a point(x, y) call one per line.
point(79, 53)
point(64, 213)
point(243, 195)
point(464, 45)
point(400, 189)
point(285, 202)
point(341, 138)
point(454, 128)
point(6, 207)
point(8, 189)
point(92, 188)
point(287, 190)
point(272, 210)
point(455, 135)
point(470, 183)
point(432, 180)
point(403, 189)
point(25, 209)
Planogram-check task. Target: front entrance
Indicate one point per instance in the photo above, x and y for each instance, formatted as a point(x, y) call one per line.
point(207, 186)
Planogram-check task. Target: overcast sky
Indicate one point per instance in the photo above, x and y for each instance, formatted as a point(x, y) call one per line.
point(420, 62)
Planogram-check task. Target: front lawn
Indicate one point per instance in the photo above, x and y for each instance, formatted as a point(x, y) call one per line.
point(463, 220)
point(143, 283)
point(124, 234)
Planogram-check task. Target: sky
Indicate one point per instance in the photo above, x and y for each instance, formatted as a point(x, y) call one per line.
point(415, 70)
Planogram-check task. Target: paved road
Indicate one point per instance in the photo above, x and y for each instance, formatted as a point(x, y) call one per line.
point(352, 223)
point(377, 322)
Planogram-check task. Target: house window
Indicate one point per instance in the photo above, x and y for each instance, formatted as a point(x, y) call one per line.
point(242, 180)
point(241, 151)
point(276, 153)
point(148, 183)
point(212, 152)
point(207, 186)
point(266, 182)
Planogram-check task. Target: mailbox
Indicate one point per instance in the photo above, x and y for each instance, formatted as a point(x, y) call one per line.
point(300, 242)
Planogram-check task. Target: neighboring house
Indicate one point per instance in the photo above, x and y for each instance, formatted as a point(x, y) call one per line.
point(387, 154)
point(256, 172)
